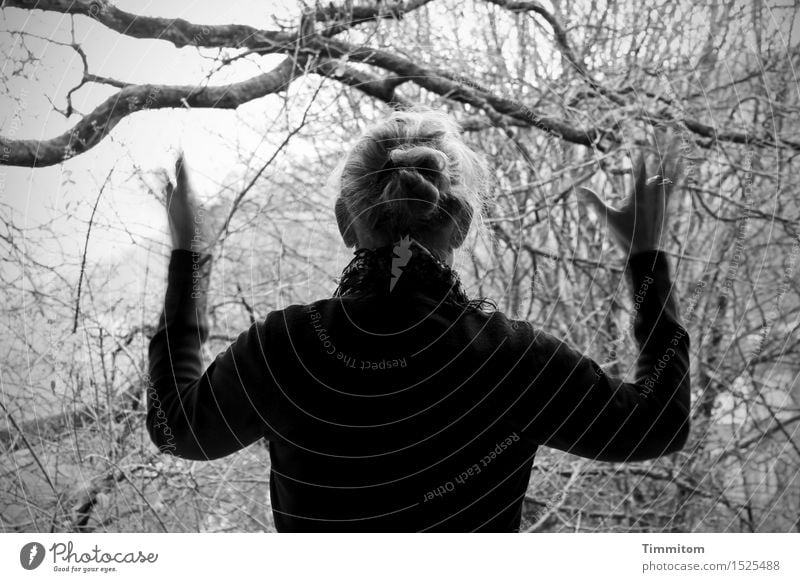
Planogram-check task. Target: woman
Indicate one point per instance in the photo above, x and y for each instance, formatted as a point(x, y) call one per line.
point(398, 404)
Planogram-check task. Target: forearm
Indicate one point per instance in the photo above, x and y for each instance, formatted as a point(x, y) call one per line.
point(659, 334)
point(175, 358)
point(662, 366)
point(195, 413)
point(586, 412)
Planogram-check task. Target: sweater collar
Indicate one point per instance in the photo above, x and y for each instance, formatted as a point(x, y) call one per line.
point(400, 270)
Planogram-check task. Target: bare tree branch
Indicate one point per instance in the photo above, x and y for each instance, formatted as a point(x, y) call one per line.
point(90, 130)
point(183, 33)
point(302, 44)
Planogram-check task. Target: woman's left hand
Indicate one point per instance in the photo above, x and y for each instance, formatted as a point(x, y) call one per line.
point(638, 225)
point(187, 220)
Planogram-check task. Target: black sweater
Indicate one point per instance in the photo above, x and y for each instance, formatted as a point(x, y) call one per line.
point(407, 414)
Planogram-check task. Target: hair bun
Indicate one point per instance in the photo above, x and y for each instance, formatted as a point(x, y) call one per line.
point(419, 177)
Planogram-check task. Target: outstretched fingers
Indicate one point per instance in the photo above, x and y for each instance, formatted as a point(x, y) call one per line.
point(182, 186)
point(181, 175)
point(673, 164)
point(589, 198)
point(168, 185)
point(640, 179)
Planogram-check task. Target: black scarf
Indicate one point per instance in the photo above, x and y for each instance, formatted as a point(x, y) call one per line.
point(416, 269)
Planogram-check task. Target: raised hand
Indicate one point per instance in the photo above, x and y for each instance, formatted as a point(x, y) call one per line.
point(638, 225)
point(187, 221)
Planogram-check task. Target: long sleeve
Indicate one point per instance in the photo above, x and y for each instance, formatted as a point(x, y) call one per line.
point(576, 407)
point(196, 414)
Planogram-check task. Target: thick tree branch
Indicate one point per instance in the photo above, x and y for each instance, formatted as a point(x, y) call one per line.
point(177, 31)
point(96, 125)
point(340, 18)
point(441, 84)
point(329, 56)
point(381, 89)
point(183, 33)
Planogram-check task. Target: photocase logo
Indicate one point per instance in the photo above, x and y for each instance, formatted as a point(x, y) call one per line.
point(401, 254)
point(31, 555)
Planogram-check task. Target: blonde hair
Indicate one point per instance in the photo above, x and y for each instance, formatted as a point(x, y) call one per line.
point(411, 174)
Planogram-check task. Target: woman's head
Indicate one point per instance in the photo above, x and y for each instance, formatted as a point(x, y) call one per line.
point(410, 174)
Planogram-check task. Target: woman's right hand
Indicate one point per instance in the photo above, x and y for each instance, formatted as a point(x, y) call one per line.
point(638, 225)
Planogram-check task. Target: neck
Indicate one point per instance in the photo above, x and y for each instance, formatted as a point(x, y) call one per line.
point(400, 269)
point(430, 242)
